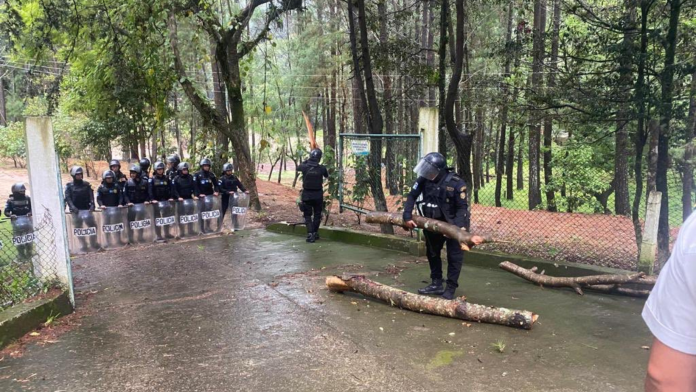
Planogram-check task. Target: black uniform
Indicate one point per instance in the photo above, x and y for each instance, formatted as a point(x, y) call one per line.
point(229, 184)
point(18, 205)
point(206, 183)
point(160, 188)
point(313, 175)
point(136, 191)
point(171, 173)
point(120, 179)
point(109, 195)
point(79, 196)
point(443, 199)
point(185, 187)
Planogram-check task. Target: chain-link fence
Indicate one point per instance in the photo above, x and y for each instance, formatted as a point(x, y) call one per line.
point(583, 228)
point(27, 258)
point(376, 163)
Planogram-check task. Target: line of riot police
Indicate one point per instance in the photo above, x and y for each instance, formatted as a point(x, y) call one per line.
point(171, 203)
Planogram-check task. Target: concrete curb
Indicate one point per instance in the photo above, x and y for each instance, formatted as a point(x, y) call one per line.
point(348, 236)
point(415, 248)
point(20, 319)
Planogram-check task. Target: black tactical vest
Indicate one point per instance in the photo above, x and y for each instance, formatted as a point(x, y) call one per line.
point(184, 186)
point(161, 188)
point(20, 207)
point(81, 194)
point(136, 190)
point(313, 178)
point(110, 195)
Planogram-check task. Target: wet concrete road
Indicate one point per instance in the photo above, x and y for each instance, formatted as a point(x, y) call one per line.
point(249, 312)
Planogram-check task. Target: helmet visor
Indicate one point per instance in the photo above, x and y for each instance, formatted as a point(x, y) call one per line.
point(426, 170)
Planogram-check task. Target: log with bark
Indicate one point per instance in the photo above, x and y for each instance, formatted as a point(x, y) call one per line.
point(466, 239)
point(603, 283)
point(456, 308)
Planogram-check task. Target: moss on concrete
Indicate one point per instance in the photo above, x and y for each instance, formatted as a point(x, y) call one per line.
point(18, 320)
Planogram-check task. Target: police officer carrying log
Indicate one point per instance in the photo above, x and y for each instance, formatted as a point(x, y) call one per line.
point(109, 193)
point(444, 198)
point(312, 200)
point(159, 185)
point(205, 180)
point(144, 168)
point(173, 162)
point(185, 187)
point(228, 184)
point(19, 204)
point(120, 178)
point(136, 190)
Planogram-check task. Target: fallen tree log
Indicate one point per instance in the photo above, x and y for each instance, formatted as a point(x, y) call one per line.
point(618, 289)
point(456, 308)
point(466, 239)
point(605, 283)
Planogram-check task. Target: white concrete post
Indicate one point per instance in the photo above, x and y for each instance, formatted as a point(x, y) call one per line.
point(427, 124)
point(648, 246)
point(47, 192)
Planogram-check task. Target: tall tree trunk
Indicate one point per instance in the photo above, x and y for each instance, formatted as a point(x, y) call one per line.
point(688, 175)
point(499, 164)
point(462, 140)
point(621, 197)
point(653, 137)
point(430, 55)
point(667, 79)
point(535, 117)
point(3, 104)
point(390, 156)
point(222, 141)
point(640, 137)
point(520, 162)
point(478, 151)
point(548, 121)
point(370, 105)
point(509, 164)
point(442, 73)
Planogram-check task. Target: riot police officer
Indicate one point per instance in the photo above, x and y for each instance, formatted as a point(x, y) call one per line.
point(205, 180)
point(120, 178)
point(78, 193)
point(312, 200)
point(136, 190)
point(444, 198)
point(228, 184)
point(144, 168)
point(159, 185)
point(172, 166)
point(184, 186)
point(19, 204)
point(109, 193)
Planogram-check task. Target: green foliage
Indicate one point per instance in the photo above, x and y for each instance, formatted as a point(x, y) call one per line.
point(12, 143)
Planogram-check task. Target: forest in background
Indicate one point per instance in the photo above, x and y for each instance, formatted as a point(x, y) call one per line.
point(561, 105)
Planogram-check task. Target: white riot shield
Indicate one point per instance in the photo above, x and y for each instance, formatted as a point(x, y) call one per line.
point(187, 217)
point(239, 204)
point(211, 214)
point(141, 224)
point(83, 232)
point(165, 221)
point(113, 227)
point(23, 237)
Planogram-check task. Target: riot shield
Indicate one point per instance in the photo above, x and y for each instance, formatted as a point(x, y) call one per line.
point(165, 221)
point(187, 218)
point(23, 237)
point(113, 227)
point(239, 205)
point(83, 232)
point(141, 224)
point(211, 209)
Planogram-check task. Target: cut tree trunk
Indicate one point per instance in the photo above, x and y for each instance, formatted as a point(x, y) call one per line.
point(605, 283)
point(465, 238)
point(456, 308)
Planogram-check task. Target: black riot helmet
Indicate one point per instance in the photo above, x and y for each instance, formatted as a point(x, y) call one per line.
point(173, 160)
point(315, 155)
point(226, 167)
point(18, 189)
point(135, 169)
point(145, 165)
point(430, 166)
point(75, 170)
point(159, 165)
point(115, 162)
point(183, 166)
point(205, 162)
point(108, 174)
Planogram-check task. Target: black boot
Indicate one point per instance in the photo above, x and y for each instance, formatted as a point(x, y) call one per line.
point(316, 236)
point(449, 292)
point(311, 238)
point(434, 288)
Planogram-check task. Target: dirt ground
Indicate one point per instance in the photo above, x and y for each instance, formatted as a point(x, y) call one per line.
point(601, 240)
